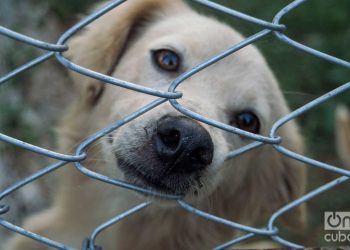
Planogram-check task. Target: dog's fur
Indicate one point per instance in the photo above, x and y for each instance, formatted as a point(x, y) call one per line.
point(245, 189)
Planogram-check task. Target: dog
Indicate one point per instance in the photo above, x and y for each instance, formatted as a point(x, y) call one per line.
point(151, 42)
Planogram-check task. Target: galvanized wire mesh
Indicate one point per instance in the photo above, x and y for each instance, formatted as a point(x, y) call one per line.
point(268, 28)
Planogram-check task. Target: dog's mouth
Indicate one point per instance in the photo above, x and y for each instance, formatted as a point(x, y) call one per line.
point(172, 160)
point(164, 183)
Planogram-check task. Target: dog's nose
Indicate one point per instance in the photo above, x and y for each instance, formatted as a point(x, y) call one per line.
point(183, 145)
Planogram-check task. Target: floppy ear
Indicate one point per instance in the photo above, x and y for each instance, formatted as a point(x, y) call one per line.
point(288, 177)
point(101, 43)
point(343, 134)
point(273, 179)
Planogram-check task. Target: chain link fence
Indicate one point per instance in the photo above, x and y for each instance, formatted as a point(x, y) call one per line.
point(274, 28)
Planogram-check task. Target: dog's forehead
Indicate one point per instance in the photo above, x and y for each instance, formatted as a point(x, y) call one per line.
point(200, 38)
point(195, 32)
point(241, 80)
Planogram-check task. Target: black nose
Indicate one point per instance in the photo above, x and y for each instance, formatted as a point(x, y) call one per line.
point(182, 144)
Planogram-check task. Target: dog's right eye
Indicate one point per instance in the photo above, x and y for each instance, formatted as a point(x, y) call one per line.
point(166, 59)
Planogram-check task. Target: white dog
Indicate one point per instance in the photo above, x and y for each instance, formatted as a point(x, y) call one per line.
point(151, 42)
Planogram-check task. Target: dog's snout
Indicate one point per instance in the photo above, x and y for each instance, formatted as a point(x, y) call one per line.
point(182, 144)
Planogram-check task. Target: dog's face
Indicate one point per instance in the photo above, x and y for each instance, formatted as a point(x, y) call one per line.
point(163, 150)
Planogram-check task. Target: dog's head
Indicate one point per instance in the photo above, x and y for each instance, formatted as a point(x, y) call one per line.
point(151, 42)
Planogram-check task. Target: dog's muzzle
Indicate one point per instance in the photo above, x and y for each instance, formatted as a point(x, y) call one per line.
point(182, 145)
point(173, 159)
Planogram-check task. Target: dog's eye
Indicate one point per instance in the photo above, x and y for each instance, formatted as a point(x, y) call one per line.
point(246, 120)
point(166, 59)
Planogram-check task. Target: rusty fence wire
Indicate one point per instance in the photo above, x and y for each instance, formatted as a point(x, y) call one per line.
point(274, 28)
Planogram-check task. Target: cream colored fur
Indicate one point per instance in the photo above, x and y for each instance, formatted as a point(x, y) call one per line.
point(246, 189)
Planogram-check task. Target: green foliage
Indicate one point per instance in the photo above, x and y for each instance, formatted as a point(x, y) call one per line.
point(67, 8)
point(13, 120)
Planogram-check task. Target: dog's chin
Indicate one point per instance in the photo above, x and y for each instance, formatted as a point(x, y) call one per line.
point(180, 185)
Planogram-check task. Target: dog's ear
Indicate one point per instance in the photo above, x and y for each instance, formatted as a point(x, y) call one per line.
point(273, 179)
point(287, 177)
point(343, 134)
point(102, 42)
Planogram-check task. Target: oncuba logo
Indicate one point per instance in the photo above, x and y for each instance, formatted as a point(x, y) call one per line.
point(337, 220)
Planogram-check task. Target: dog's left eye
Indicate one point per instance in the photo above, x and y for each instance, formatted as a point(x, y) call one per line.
point(166, 59)
point(246, 120)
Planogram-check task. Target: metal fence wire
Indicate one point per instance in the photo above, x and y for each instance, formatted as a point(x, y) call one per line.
point(55, 51)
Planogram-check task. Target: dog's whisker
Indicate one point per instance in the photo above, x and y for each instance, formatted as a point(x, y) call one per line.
point(298, 93)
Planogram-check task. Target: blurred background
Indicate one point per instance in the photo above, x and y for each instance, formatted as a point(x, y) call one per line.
point(32, 102)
